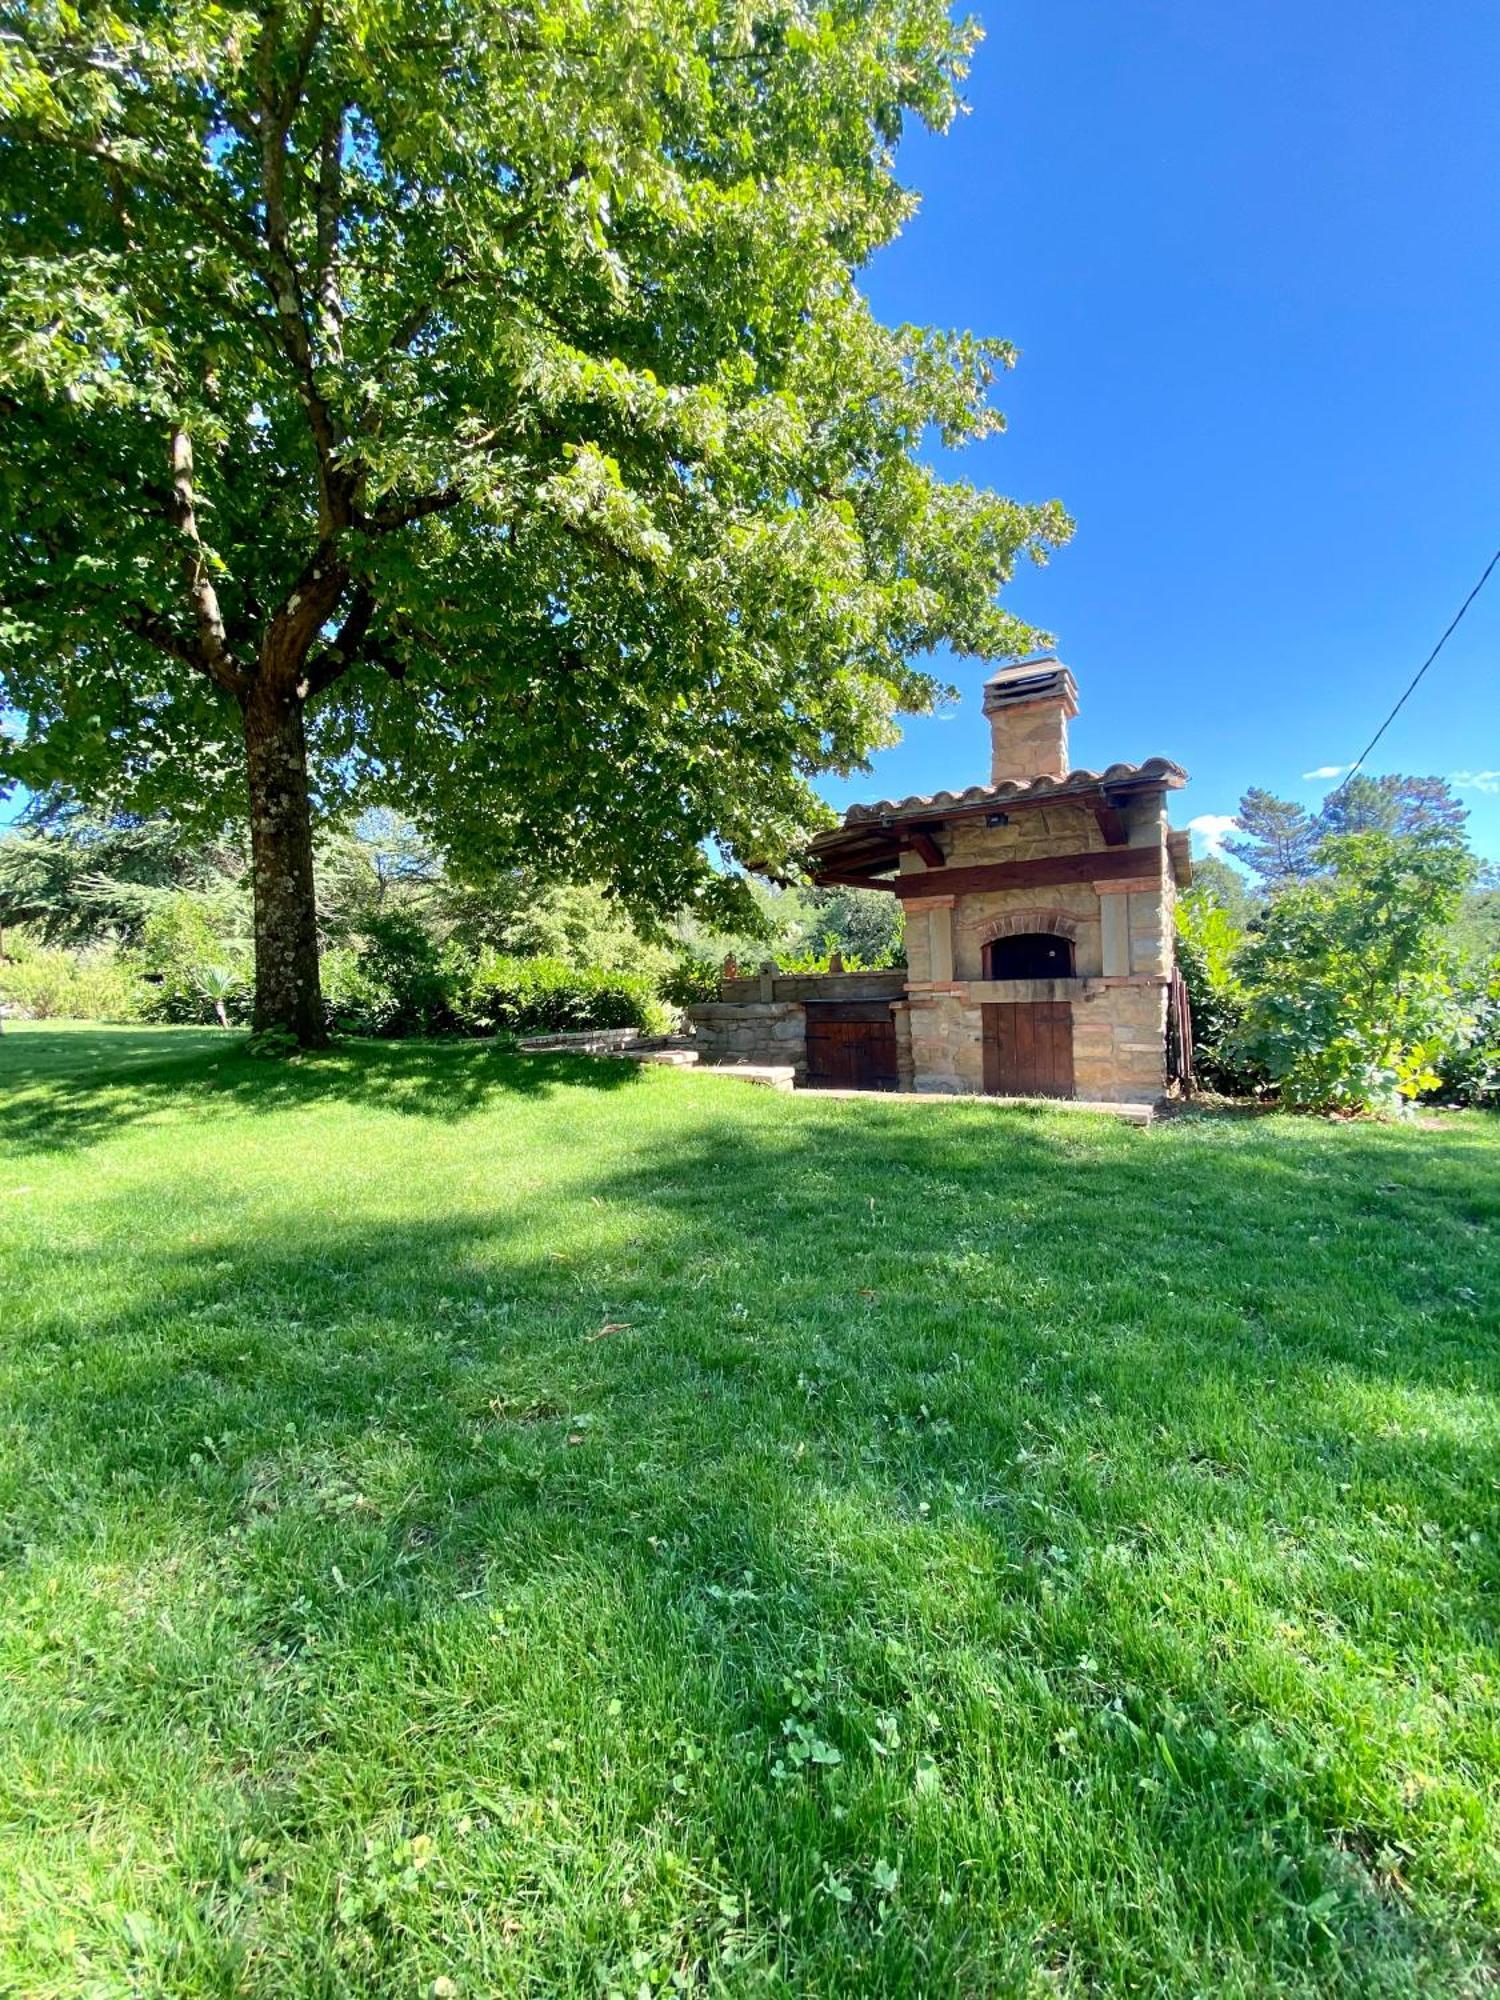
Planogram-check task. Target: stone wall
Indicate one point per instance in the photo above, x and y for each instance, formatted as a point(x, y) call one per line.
point(1120, 1041)
point(1066, 828)
point(905, 1070)
point(751, 1031)
point(889, 985)
point(763, 1019)
point(1119, 1036)
point(947, 1055)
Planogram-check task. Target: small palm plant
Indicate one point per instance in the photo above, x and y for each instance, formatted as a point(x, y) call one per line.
point(219, 984)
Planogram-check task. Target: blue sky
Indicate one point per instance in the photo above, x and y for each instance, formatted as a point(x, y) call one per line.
point(1251, 256)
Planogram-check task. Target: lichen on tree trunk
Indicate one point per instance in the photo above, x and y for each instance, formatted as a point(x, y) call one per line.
point(288, 994)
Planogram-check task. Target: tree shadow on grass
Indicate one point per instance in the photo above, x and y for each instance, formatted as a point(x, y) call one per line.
point(69, 1089)
point(919, 1439)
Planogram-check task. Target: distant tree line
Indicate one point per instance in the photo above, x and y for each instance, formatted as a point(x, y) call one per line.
point(121, 918)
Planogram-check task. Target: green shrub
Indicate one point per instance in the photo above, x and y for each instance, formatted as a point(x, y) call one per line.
point(691, 982)
point(399, 983)
point(545, 996)
point(188, 969)
point(1207, 941)
point(54, 985)
point(819, 958)
point(412, 975)
point(352, 1000)
point(273, 1045)
point(396, 982)
point(1469, 1072)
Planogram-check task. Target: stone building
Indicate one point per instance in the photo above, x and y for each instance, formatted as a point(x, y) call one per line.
point(1039, 930)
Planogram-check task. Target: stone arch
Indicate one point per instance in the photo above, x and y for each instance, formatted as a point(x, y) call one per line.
point(1015, 922)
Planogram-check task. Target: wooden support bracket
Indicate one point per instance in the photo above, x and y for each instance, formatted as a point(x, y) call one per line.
point(1111, 822)
point(920, 841)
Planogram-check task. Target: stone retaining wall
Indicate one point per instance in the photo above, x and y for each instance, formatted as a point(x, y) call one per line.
point(762, 986)
point(593, 1041)
point(751, 1031)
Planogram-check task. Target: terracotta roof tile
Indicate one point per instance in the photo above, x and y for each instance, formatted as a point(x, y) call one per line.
point(1156, 770)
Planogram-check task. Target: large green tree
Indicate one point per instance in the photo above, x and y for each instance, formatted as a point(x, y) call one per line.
point(1394, 803)
point(1348, 983)
point(1215, 881)
point(1277, 838)
point(470, 405)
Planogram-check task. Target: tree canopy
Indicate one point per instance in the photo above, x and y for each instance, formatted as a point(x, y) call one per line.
point(1351, 998)
point(74, 879)
point(473, 408)
point(1280, 841)
point(1217, 882)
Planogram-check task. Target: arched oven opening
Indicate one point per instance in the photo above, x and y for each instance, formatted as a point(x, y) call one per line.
point(1029, 955)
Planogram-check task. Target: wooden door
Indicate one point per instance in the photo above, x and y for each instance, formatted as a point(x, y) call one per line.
point(1028, 1048)
point(851, 1046)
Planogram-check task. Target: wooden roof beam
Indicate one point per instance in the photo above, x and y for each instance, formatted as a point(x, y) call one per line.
point(1111, 822)
point(919, 839)
point(835, 878)
point(1134, 864)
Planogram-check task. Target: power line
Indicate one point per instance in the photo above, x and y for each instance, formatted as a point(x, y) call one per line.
point(1453, 626)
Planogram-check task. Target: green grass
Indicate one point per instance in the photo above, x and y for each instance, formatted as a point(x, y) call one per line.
point(556, 1529)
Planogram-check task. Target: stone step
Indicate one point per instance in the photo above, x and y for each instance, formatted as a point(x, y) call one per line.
point(771, 1076)
point(1134, 1113)
point(782, 1076)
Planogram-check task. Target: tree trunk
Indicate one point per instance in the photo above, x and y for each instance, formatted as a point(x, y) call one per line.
point(287, 991)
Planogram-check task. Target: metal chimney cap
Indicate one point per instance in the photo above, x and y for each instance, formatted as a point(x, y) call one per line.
point(1037, 679)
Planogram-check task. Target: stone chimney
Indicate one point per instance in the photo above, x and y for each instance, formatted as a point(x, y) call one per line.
point(1028, 706)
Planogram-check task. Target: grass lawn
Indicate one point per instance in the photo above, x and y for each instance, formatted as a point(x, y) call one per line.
point(476, 1525)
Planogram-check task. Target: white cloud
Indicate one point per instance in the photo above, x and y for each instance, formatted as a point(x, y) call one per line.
point(1211, 829)
point(1476, 781)
point(1327, 771)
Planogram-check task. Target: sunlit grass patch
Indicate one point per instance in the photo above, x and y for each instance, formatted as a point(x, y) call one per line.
point(557, 1529)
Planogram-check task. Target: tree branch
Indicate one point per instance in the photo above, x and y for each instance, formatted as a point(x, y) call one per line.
point(214, 657)
point(326, 667)
point(293, 630)
point(274, 117)
point(408, 328)
point(354, 642)
point(162, 634)
point(312, 31)
point(159, 181)
point(393, 514)
point(330, 184)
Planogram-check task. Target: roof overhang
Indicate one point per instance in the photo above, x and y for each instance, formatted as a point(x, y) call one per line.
point(873, 838)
